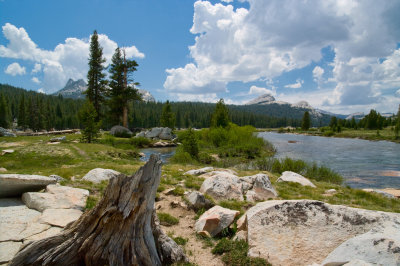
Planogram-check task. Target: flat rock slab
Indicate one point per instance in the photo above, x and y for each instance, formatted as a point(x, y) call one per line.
point(18, 221)
point(8, 250)
point(15, 184)
point(99, 174)
point(56, 197)
point(303, 232)
point(60, 217)
point(199, 171)
point(52, 231)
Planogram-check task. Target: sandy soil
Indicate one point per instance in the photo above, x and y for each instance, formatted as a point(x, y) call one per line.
point(195, 249)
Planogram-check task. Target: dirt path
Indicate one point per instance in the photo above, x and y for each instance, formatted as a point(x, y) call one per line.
point(195, 248)
point(80, 151)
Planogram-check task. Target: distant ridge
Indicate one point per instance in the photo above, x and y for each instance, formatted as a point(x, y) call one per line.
point(75, 90)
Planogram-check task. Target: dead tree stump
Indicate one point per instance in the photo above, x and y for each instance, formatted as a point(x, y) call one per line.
point(121, 230)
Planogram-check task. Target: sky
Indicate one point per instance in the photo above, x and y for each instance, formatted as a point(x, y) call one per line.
point(341, 56)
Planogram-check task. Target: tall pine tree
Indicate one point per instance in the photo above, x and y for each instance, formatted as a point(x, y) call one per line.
point(306, 122)
point(95, 76)
point(4, 117)
point(220, 118)
point(167, 116)
point(122, 86)
point(22, 113)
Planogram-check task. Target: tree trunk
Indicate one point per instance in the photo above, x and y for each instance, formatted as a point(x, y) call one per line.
point(121, 230)
point(125, 117)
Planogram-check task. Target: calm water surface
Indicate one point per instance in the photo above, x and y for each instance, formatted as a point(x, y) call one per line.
point(363, 163)
point(165, 153)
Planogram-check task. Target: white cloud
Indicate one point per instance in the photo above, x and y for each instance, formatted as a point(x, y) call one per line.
point(41, 90)
point(227, 1)
point(259, 90)
point(296, 85)
point(256, 43)
point(36, 80)
point(317, 73)
point(67, 60)
point(37, 68)
point(398, 93)
point(15, 69)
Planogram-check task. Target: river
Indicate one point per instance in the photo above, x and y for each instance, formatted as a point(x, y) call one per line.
point(363, 163)
point(165, 153)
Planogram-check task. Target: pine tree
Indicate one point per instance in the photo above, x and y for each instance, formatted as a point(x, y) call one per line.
point(4, 117)
point(167, 116)
point(87, 117)
point(190, 144)
point(220, 117)
point(397, 126)
point(95, 76)
point(306, 122)
point(21, 113)
point(120, 92)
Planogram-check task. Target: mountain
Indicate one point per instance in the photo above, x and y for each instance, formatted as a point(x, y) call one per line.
point(358, 116)
point(267, 104)
point(75, 89)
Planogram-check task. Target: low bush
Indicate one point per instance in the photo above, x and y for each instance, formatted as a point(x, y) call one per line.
point(167, 219)
point(235, 253)
point(180, 240)
point(328, 133)
point(140, 142)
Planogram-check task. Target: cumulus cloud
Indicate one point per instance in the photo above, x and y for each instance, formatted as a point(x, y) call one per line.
point(254, 90)
point(41, 90)
point(67, 60)
point(296, 85)
point(15, 69)
point(398, 93)
point(256, 43)
point(37, 68)
point(35, 80)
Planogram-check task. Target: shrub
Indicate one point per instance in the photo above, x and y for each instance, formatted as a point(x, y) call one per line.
point(235, 253)
point(328, 133)
point(167, 219)
point(140, 142)
point(180, 240)
point(182, 156)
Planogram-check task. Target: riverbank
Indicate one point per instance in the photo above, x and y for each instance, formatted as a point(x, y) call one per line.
point(366, 134)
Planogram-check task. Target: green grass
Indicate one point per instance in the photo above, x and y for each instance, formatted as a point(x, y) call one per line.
point(167, 219)
point(235, 253)
point(178, 191)
point(180, 240)
point(236, 205)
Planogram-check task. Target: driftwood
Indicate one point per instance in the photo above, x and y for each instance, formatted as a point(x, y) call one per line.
point(57, 132)
point(121, 230)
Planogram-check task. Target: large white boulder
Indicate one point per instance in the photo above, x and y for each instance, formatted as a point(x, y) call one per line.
point(289, 176)
point(56, 197)
point(99, 174)
point(154, 132)
point(15, 184)
point(303, 232)
point(261, 188)
point(166, 134)
point(379, 246)
point(222, 186)
point(215, 220)
point(120, 131)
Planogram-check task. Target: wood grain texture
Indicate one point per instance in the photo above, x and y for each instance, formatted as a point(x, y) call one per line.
point(121, 230)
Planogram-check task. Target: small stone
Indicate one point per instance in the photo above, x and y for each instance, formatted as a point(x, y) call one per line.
point(169, 191)
point(199, 171)
point(174, 204)
point(58, 139)
point(289, 176)
point(3, 170)
point(205, 234)
point(330, 191)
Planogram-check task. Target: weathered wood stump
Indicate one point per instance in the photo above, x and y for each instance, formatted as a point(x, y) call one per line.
point(122, 229)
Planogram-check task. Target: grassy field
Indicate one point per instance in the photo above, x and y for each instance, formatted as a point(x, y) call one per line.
point(72, 160)
point(375, 135)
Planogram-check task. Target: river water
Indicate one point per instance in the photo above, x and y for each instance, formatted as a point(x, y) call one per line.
point(165, 153)
point(363, 163)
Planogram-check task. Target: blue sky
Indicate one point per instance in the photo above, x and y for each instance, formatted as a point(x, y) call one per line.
point(340, 56)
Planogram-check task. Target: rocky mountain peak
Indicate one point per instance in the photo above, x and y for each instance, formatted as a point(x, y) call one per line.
point(262, 99)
